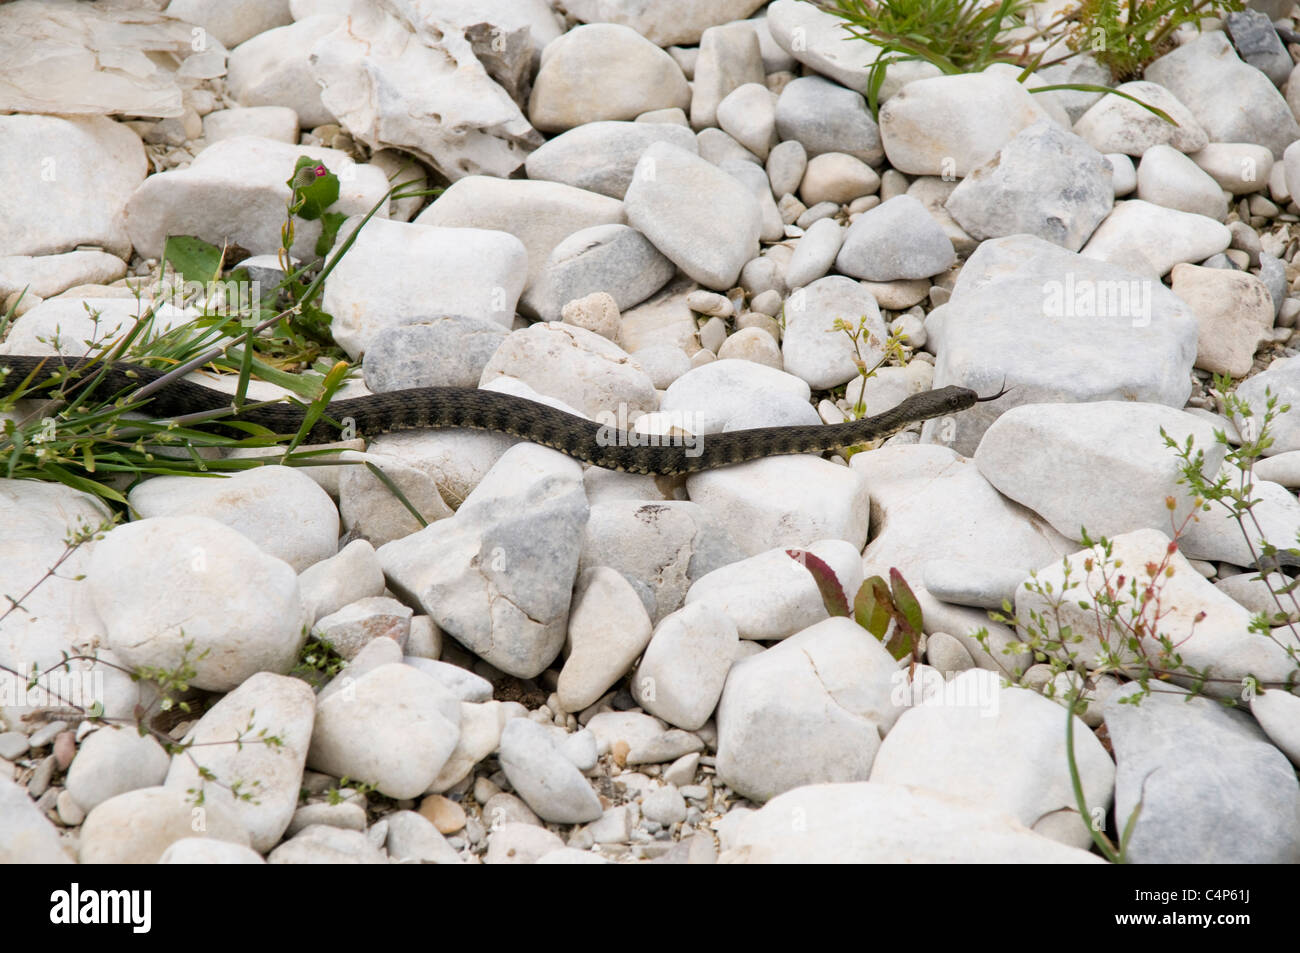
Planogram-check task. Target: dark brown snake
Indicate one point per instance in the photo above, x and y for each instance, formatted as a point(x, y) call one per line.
point(443, 407)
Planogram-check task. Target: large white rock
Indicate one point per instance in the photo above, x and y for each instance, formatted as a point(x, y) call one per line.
point(162, 583)
point(1121, 472)
point(283, 511)
point(1007, 756)
point(888, 824)
point(1071, 190)
point(266, 705)
point(896, 239)
point(603, 71)
point(952, 125)
point(811, 346)
point(608, 629)
point(234, 192)
point(1057, 327)
point(232, 23)
point(76, 175)
point(825, 117)
point(601, 156)
point(810, 710)
point(1281, 381)
point(539, 214)
point(273, 68)
point(137, 827)
point(498, 575)
point(784, 501)
point(447, 273)
point(1219, 643)
point(393, 727)
point(702, 219)
point(1151, 239)
point(1234, 102)
point(441, 80)
point(43, 276)
point(1167, 177)
point(112, 761)
point(1117, 124)
point(26, 835)
point(574, 365)
point(729, 58)
point(614, 259)
point(681, 675)
point(76, 326)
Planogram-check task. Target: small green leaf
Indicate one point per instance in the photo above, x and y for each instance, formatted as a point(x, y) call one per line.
point(193, 258)
point(315, 189)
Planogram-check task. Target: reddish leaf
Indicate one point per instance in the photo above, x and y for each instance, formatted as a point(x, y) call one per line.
point(832, 592)
point(870, 610)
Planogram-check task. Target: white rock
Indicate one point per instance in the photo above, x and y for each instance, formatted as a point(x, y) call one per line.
point(748, 115)
point(1234, 102)
point(205, 851)
point(608, 630)
point(235, 192)
point(574, 365)
point(784, 501)
point(480, 734)
point(498, 575)
point(729, 57)
point(137, 827)
point(811, 346)
point(1007, 755)
point(752, 344)
point(752, 176)
point(836, 177)
point(1121, 472)
point(1072, 190)
point(601, 156)
point(279, 508)
point(265, 122)
point(785, 166)
point(665, 24)
point(453, 101)
point(1168, 177)
point(1117, 124)
point(412, 838)
point(79, 174)
point(817, 39)
point(274, 705)
point(681, 675)
point(232, 23)
point(701, 218)
point(539, 214)
point(112, 761)
point(889, 824)
point(393, 727)
point(1071, 298)
point(1151, 239)
point(351, 627)
point(1278, 713)
point(44, 276)
point(1239, 167)
point(465, 273)
point(547, 780)
point(896, 239)
point(273, 68)
point(708, 397)
point(322, 844)
point(832, 676)
point(520, 844)
point(1123, 173)
point(1234, 314)
point(225, 596)
point(821, 116)
point(603, 71)
point(951, 125)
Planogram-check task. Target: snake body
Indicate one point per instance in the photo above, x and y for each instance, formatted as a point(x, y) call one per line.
point(443, 407)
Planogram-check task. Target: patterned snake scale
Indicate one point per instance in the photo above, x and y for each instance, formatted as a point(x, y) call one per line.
point(443, 407)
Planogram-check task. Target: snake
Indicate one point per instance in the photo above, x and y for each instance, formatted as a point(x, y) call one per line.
point(590, 441)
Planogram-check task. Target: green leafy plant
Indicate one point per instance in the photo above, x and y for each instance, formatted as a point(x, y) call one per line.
point(968, 36)
point(318, 662)
point(889, 612)
point(894, 350)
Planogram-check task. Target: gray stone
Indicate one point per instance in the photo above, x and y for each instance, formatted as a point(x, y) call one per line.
point(825, 117)
point(748, 115)
point(1071, 194)
point(26, 836)
point(614, 259)
point(785, 166)
point(729, 58)
point(448, 351)
point(547, 781)
point(1258, 44)
point(1117, 124)
point(685, 665)
point(680, 22)
point(601, 156)
point(896, 239)
point(813, 350)
point(702, 219)
point(1234, 102)
point(1212, 788)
